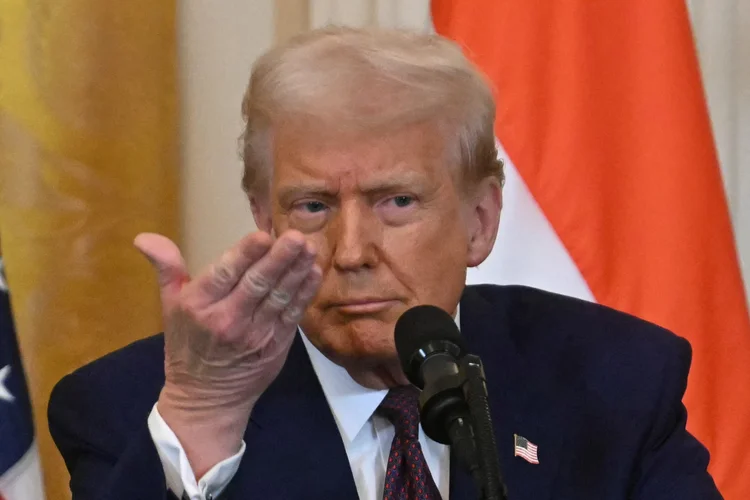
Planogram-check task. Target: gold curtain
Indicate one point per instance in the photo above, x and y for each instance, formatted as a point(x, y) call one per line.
point(88, 158)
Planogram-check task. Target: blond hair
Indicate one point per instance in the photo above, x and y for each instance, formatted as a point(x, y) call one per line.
point(348, 81)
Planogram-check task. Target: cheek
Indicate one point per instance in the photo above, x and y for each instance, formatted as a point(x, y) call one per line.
point(442, 274)
point(279, 222)
point(323, 249)
point(429, 258)
point(437, 240)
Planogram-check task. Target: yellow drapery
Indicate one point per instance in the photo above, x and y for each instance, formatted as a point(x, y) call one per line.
point(88, 158)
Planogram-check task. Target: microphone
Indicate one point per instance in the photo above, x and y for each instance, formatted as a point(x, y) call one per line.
point(429, 346)
point(453, 405)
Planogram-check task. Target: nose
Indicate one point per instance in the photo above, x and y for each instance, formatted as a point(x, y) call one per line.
point(355, 234)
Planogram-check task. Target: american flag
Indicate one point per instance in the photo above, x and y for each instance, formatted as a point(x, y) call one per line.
point(20, 473)
point(526, 449)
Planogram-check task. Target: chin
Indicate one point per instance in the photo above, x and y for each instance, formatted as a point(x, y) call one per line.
point(366, 340)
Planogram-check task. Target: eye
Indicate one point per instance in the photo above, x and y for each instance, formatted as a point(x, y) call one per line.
point(398, 210)
point(311, 207)
point(403, 200)
point(308, 216)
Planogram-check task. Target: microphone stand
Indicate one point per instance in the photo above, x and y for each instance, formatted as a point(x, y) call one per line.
point(454, 410)
point(490, 484)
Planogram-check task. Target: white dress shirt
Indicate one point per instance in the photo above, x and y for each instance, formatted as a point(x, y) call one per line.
point(366, 436)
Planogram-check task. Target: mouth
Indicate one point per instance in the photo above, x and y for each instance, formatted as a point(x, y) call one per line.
point(363, 306)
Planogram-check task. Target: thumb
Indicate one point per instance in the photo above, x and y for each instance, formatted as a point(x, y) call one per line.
point(168, 262)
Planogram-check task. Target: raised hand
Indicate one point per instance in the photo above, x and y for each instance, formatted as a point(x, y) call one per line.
point(227, 334)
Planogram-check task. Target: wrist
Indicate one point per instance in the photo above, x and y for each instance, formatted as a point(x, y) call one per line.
point(208, 435)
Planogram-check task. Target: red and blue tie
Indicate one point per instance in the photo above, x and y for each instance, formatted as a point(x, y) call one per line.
point(407, 476)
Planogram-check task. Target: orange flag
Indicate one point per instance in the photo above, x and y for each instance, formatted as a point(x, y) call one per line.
point(603, 118)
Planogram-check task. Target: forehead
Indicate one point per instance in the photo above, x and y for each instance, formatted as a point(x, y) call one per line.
point(349, 160)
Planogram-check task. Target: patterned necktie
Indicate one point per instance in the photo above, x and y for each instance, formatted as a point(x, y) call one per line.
point(407, 476)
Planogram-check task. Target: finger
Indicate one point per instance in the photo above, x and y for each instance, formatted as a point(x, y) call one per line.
point(293, 313)
point(221, 277)
point(167, 260)
point(261, 277)
point(282, 294)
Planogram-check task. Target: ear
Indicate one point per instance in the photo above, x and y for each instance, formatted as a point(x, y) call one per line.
point(261, 207)
point(484, 217)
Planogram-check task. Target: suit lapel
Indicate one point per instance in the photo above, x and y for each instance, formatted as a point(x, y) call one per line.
point(294, 448)
point(523, 400)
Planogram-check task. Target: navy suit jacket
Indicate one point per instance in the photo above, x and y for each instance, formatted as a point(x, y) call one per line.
point(599, 392)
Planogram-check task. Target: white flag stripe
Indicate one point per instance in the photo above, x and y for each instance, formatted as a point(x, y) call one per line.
point(530, 456)
point(527, 250)
point(526, 453)
point(24, 480)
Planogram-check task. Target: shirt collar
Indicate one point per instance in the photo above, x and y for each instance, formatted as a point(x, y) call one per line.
point(351, 404)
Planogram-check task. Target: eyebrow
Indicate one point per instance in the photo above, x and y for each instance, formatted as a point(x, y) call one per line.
point(401, 182)
point(292, 192)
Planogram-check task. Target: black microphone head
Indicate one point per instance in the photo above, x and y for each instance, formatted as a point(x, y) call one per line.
point(419, 327)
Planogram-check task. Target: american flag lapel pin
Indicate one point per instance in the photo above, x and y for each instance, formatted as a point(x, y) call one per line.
point(525, 449)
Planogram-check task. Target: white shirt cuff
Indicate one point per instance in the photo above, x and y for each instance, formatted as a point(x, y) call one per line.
point(177, 471)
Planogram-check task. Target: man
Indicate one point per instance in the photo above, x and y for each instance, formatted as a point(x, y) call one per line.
point(372, 173)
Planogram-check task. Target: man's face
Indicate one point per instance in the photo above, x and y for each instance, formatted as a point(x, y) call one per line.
point(391, 227)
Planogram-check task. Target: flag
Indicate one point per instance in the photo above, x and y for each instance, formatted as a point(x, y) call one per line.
point(526, 449)
point(614, 192)
point(20, 473)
